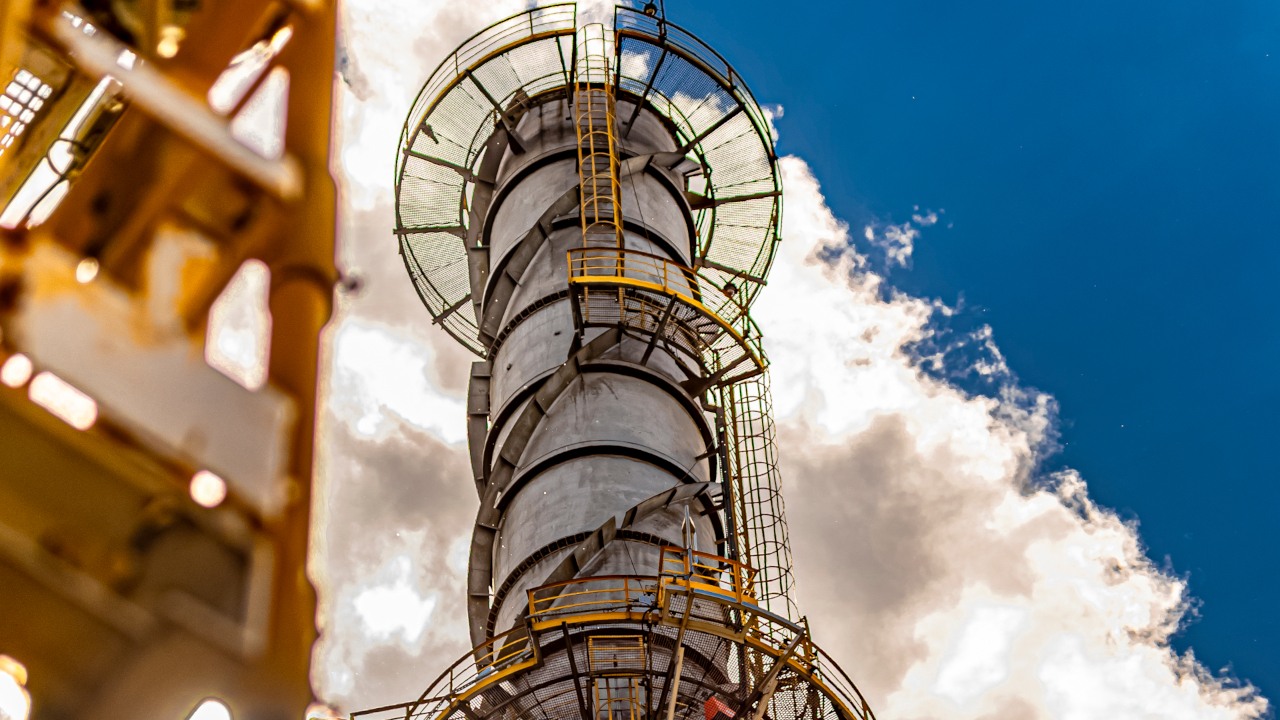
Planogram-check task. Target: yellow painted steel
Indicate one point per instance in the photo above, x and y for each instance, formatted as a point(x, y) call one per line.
point(615, 687)
point(611, 601)
point(620, 268)
point(160, 167)
point(617, 698)
point(711, 573)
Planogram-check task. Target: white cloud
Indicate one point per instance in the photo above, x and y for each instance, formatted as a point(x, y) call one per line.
point(976, 661)
point(898, 242)
point(381, 378)
point(961, 585)
point(947, 579)
point(392, 606)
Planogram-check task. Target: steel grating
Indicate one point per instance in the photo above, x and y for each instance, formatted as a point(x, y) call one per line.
point(532, 54)
point(451, 121)
point(549, 668)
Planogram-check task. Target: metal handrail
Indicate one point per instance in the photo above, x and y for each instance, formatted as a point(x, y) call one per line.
point(557, 19)
point(490, 661)
point(647, 599)
point(628, 21)
point(618, 267)
point(708, 572)
point(656, 32)
point(595, 596)
point(659, 273)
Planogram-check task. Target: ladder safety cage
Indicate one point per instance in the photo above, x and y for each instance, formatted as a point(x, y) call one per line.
point(759, 514)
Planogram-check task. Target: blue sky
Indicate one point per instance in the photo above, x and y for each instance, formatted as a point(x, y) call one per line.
point(1109, 175)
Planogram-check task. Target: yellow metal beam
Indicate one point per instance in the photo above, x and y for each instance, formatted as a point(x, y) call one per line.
point(168, 167)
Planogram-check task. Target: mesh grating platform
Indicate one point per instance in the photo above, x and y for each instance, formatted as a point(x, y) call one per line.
point(662, 301)
point(691, 638)
point(455, 113)
point(506, 68)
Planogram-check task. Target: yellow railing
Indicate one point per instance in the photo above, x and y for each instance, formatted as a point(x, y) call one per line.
point(496, 658)
point(593, 598)
point(704, 571)
point(635, 289)
point(642, 269)
point(725, 597)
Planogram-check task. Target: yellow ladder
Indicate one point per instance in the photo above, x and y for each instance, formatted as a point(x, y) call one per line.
point(616, 662)
point(594, 122)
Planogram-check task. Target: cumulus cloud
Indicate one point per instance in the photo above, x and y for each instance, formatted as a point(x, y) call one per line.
point(391, 544)
point(948, 577)
point(898, 241)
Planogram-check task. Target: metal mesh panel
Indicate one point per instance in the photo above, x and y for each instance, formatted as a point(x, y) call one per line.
point(528, 54)
point(635, 656)
point(444, 137)
point(702, 96)
point(760, 522)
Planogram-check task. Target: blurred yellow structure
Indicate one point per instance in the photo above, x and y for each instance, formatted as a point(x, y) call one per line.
point(154, 510)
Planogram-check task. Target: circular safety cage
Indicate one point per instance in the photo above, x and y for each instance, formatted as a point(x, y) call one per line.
point(734, 193)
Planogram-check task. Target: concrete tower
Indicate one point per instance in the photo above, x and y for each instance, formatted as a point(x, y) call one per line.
point(592, 211)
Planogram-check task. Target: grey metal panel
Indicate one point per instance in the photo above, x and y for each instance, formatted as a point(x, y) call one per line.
point(478, 419)
point(613, 436)
point(635, 535)
point(622, 557)
point(519, 208)
point(624, 357)
point(546, 128)
point(608, 408)
point(536, 346)
point(648, 201)
point(660, 361)
point(548, 272)
point(571, 497)
point(549, 126)
point(647, 134)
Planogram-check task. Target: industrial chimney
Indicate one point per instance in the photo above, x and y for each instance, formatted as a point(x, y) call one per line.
point(592, 212)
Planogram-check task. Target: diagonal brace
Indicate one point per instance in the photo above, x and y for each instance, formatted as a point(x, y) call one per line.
point(763, 691)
